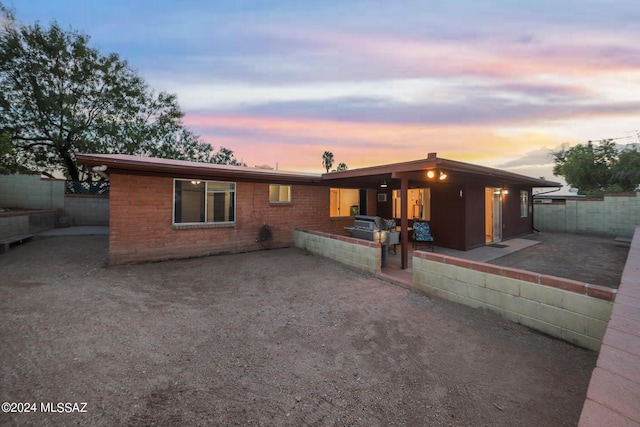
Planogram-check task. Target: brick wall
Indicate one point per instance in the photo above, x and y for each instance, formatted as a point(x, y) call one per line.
point(141, 229)
point(614, 215)
point(573, 311)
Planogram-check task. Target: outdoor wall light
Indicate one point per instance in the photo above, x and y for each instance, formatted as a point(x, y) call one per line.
point(432, 173)
point(195, 182)
point(384, 184)
point(505, 191)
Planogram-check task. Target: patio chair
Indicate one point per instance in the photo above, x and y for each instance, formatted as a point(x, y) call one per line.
point(422, 235)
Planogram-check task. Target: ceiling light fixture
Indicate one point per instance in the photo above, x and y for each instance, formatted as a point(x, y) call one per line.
point(431, 173)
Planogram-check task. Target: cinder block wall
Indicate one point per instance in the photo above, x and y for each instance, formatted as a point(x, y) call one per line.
point(573, 311)
point(141, 215)
point(86, 210)
point(31, 192)
point(28, 222)
point(360, 254)
point(13, 226)
point(614, 215)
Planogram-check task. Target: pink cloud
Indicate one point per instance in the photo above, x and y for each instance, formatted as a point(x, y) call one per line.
point(553, 53)
point(298, 144)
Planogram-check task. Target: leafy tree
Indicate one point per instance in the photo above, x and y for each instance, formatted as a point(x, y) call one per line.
point(224, 156)
point(8, 163)
point(327, 160)
point(626, 172)
point(60, 97)
point(342, 167)
point(595, 169)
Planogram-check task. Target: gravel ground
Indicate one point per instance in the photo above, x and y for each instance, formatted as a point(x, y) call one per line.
point(591, 259)
point(275, 337)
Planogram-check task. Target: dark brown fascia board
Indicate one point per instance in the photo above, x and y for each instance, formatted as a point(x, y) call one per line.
point(381, 170)
point(450, 166)
point(184, 169)
point(468, 168)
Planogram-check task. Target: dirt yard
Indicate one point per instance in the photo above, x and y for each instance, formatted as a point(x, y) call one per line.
point(268, 338)
point(591, 259)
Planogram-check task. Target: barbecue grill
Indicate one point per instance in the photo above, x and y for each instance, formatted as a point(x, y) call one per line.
point(370, 228)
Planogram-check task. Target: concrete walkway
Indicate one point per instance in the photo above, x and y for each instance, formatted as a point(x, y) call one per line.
point(489, 252)
point(75, 231)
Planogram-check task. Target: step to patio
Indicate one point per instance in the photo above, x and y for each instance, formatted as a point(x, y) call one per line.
point(403, 278)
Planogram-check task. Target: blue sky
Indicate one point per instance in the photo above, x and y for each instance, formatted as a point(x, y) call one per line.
point(497, 83)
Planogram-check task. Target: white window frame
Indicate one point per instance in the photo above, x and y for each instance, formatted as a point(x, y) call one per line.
point(206, 201)
point(277, 189)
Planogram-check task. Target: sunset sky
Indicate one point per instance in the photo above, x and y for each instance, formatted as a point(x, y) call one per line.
point(497, 83)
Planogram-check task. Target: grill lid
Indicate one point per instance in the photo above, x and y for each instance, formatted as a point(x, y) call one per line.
point(376, 221)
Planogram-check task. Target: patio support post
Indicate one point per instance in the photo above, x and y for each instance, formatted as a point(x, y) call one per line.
point(404, 223)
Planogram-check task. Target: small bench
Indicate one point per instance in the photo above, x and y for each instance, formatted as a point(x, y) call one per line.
point(6, 243)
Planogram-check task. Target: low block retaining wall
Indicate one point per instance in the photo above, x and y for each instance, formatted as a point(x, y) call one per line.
point(360, 254)
point(613, 397)
point(573, 311)
point(26, 222)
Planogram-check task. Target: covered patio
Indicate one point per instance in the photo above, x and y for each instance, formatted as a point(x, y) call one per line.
point(468, 206)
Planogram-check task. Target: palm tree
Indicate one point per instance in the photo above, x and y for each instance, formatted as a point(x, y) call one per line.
point(327, 160)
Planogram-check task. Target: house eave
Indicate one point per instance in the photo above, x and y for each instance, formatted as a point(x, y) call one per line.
point(187, 169)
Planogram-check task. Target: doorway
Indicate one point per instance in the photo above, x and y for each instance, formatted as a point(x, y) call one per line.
point(418, 204)
point(493, 214)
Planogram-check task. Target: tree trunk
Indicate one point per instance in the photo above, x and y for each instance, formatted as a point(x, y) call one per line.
point(72, 169)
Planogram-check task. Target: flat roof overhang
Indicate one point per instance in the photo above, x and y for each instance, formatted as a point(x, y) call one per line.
point(416, 173)
point(194, 170)
point(369, 177)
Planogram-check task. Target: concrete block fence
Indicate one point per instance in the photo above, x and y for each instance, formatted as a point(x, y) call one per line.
point(85, 210)
point(360, 254)
point(614, 215)
point(31, 192)
point(570, 310)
